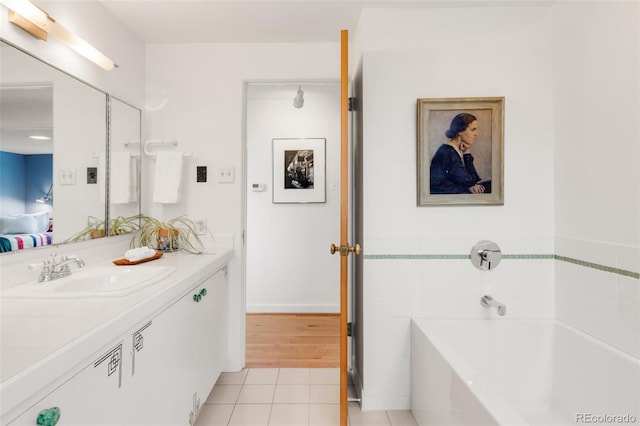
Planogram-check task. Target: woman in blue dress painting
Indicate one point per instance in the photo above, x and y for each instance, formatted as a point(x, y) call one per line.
point(452, 170)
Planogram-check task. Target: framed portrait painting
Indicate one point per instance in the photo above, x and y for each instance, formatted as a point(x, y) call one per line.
point(299, 167)
point(460, 151)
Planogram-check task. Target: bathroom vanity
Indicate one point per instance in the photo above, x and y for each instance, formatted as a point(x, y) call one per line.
point(150, 357)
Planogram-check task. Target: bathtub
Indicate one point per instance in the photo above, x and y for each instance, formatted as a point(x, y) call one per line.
point(518, 372)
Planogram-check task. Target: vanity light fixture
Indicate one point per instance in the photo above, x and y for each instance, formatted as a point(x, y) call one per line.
point(40, 138)
point(47, 198)
point(39, 24)
point(298, 101)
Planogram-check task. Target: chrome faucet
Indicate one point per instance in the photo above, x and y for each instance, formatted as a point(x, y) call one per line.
point(488, 302)
point(54, 268)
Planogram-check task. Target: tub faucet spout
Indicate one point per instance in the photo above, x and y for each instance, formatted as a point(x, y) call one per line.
point(488, 302)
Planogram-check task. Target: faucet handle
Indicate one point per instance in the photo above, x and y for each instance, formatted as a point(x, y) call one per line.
point(485, 255)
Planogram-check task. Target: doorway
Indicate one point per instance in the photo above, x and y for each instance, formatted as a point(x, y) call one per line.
point(289, 272)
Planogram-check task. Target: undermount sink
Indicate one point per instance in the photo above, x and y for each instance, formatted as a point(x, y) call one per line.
point(100, 281)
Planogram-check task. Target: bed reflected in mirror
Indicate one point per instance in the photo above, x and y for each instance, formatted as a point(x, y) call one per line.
point(26, 165)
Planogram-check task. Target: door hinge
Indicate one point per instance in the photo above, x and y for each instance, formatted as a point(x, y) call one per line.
point(353, 105)
point(349, 329)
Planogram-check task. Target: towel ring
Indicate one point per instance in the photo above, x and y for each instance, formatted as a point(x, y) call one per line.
point(161, 142)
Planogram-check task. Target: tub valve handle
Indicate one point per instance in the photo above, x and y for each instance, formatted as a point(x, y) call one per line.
point(485, 255)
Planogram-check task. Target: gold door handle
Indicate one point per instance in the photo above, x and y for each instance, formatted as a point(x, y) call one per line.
point(345, 249)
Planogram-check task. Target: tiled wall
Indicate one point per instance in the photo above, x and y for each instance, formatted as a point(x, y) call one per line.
point(595, 288)
point(415, 258)
point(598, 291)
point(419, 280)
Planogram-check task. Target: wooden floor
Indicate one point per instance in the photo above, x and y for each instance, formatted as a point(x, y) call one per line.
point(293, 341)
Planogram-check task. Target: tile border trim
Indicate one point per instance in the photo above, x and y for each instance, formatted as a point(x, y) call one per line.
point(599, 267)
point(583, 263)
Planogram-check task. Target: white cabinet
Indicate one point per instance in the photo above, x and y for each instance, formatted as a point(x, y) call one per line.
point(178, 355)
point(89, 396)
point(160, 373)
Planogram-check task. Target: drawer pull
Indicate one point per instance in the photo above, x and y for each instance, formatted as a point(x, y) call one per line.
point(48, 417)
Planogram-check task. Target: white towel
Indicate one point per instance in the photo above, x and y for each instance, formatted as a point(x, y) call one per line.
point(168, 177)
point(123, 178)
point(139, 253)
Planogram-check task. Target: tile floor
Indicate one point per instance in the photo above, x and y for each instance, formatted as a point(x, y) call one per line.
point(287, 397)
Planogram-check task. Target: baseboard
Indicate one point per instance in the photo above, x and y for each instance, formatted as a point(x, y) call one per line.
point(293, 309)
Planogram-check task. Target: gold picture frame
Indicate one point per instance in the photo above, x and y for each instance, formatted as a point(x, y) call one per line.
point(450, 179)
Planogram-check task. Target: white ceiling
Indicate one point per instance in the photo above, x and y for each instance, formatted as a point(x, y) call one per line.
point(257, 21)
point(25, 111)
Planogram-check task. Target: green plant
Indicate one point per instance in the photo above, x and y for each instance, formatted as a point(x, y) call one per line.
point(178, 233)
point(124, 225)
point(95, 227)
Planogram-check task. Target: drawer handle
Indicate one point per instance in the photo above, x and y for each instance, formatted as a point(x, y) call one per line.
point(198, 296)
point(48, 417)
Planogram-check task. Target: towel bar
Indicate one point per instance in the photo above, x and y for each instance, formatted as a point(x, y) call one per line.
point(160, 142)
point(133, 154)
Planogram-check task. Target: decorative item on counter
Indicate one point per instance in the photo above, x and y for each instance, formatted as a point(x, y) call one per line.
point(133, 255)
point(126, 262)
point(174, 234)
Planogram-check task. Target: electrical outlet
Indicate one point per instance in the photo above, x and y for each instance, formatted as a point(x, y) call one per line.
point(201, 227)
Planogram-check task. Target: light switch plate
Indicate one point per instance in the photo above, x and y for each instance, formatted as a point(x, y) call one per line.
point(92, 175)
point(201, 174)
point(227, 175)
point(68, 177)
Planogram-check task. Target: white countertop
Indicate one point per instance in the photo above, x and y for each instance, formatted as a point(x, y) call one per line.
point(42, 339)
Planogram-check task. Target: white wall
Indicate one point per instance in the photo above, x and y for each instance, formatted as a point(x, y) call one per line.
point(92, 22)
point(289, 267)
point(442, 53)
point(597, 163)
point(195, 95)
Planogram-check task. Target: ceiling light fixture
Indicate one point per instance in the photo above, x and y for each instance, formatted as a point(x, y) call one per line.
point(298, 101)
point(40, 138)
point(39, 24)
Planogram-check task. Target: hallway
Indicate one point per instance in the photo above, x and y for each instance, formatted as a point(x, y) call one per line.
point(292, 340)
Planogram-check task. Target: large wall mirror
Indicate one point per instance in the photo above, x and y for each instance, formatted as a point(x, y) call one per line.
point(54, 155)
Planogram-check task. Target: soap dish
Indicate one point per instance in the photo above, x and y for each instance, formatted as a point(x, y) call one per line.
point(123, 261)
